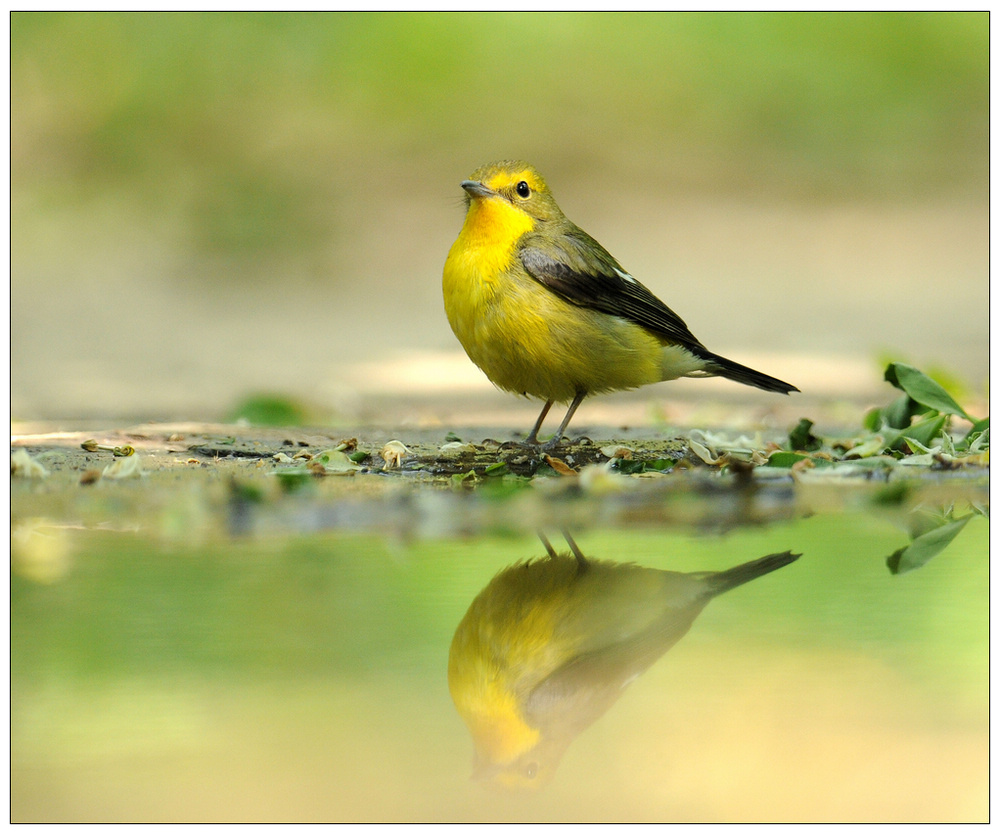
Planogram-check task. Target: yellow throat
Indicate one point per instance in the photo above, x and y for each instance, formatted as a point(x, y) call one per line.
point(485, 246)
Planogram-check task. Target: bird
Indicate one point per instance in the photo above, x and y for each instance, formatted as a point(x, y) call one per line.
point(550, 644)
point(546, 311)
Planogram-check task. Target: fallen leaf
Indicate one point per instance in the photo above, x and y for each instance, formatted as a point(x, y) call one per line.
point(332, 462)
point(24, 466)
point(559, 465)
point(703, 453)
point(127, 467)
point(90, 477)
point(393, 454)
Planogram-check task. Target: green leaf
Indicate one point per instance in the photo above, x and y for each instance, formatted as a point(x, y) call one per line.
point(901, 412)
point(292, 481)
point(458, 479)
point(801, 437)
point(497, 469)
point(978, 437)
point(925, 547)
point(872, 420)
point(334, 462)
point(269, 410)
point(498, 489)
point(870, 446)
point(923, 431)
point(243, 492)
point(923, 389)
point(894, 493)
point(784, 459)
point(628, 466)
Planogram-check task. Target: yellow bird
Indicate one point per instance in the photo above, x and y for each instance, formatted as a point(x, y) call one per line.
point(551, 644)
point(544, 310)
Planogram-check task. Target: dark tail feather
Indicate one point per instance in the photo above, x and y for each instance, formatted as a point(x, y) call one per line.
point(726, 580)
point(741, 374)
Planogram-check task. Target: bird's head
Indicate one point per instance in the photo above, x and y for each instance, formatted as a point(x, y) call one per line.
point(517, 184)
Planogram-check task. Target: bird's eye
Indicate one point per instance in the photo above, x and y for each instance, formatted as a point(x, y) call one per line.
point(531, 771)
point(522, 189)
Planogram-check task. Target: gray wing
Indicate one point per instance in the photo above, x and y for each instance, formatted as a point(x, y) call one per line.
point(582, 272)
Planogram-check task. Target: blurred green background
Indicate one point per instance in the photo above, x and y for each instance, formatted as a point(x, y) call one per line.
point(205, 206)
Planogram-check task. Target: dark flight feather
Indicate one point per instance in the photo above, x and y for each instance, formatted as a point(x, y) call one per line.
point(578, 269)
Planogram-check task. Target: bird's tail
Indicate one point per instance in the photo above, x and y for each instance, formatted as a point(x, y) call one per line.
point(725, 580)
point(722, 367)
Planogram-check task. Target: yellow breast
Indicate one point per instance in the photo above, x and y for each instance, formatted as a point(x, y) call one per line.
point(524, 337)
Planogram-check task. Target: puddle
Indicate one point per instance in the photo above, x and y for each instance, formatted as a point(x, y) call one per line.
point(250, 652)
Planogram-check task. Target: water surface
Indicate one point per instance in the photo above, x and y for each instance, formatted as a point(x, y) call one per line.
point(287, 659)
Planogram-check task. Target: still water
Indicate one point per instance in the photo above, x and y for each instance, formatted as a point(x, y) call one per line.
point(328, 657)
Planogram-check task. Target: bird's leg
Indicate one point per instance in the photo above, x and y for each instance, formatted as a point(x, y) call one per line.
point(532, 439)
point(581, 561)
point(548, 545)
point(562, 426)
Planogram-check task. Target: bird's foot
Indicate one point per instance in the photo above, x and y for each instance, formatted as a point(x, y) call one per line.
point(523, 446)
point(552, 443)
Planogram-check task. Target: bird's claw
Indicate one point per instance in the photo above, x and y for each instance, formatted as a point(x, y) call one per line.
point(525, 446)
point(552, 443)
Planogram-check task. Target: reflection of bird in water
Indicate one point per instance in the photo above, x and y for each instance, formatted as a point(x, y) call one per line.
point(550, 644)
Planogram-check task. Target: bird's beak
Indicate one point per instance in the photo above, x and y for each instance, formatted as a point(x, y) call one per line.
point(476, 189)
point(483, 768)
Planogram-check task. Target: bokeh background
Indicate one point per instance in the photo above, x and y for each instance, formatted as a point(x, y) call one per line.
point(208, 207)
